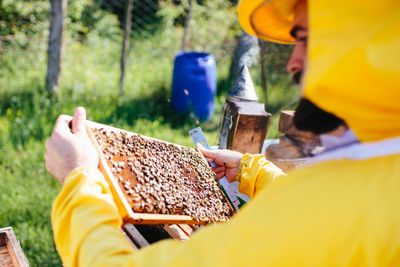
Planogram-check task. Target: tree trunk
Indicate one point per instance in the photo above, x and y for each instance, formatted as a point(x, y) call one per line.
point(263, 58)
point(54, 50)
point(187, 24)
point(125, 44)
point(246, 53)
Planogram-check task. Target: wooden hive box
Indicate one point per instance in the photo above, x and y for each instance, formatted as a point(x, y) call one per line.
point(128, 176)
point(289, 153)
point(248, 126)
point(11, 254)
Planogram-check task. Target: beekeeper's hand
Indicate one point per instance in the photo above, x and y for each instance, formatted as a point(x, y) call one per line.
point(67, 148)
point(228, 161)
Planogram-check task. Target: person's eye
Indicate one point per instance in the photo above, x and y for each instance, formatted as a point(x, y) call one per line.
point(302, 40)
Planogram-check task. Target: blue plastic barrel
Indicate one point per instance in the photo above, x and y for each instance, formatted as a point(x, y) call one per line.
point(194, 83)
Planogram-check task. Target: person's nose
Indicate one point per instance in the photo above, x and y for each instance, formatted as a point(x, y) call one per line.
point(296, 61)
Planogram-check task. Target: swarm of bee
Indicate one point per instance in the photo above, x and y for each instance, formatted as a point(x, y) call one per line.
point(162, 178)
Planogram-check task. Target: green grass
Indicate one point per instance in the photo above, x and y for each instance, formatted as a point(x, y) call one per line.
point(90, 79)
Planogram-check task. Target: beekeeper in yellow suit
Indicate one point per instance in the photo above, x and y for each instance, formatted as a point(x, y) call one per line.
point(341, 210)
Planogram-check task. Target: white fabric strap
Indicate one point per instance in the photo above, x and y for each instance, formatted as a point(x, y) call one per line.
point(360, 151)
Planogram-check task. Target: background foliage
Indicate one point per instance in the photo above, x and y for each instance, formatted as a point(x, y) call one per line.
point(90, 73)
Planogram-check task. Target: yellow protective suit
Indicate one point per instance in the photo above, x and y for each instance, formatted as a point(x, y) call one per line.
point(343, 212)
point(348, 216)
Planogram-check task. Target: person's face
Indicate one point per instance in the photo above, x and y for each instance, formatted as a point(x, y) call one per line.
point(297, 60)
point(308, 116)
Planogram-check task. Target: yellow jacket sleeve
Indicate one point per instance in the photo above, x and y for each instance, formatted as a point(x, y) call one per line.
point(86, 222)
point(256, 173)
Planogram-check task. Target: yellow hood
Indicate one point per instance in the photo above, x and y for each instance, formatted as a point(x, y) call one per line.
point(353, 62)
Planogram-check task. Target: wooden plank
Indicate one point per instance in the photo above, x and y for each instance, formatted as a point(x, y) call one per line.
point(135, 236)
point(122, 204)
point(195, 227)
point(5, 257)
point(127, 237)
point(187, 229)
point(150, 218)
point(176, 232)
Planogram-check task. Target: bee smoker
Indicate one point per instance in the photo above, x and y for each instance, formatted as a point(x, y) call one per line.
point(244, 121)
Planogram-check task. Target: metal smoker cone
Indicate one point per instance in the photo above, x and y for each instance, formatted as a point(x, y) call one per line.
point(243, 89)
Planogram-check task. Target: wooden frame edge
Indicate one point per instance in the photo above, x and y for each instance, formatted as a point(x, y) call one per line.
point(129, 216)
